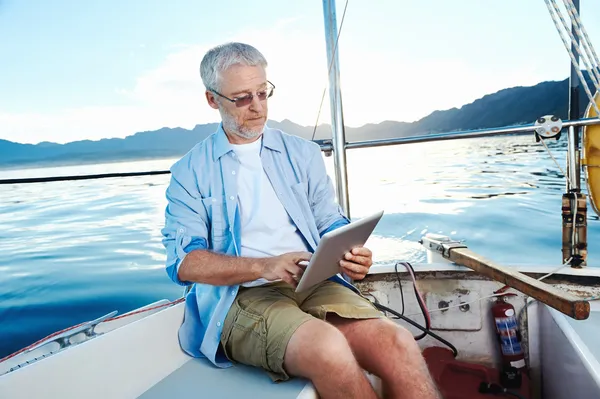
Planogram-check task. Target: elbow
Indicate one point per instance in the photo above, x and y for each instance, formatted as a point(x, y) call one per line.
point(178, 267)
point(174, 273)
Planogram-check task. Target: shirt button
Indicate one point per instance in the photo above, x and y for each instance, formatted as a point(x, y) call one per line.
point(231, 197)
point(232, 293)
point(218, 324)
point(233, 172)
point(214, 200)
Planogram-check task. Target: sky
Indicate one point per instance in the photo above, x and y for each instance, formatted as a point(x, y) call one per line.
point(74, 70)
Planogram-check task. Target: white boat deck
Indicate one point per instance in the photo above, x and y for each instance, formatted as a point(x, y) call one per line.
point(198, 377)
point(143, 359)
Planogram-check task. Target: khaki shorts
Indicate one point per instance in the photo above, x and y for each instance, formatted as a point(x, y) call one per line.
point(262, 320)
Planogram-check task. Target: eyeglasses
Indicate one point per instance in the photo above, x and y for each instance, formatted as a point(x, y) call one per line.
point(247, 99)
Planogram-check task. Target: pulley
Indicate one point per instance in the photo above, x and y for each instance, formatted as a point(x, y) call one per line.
point(548, 127)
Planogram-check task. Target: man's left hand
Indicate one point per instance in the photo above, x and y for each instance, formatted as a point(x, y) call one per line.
point(357, 262)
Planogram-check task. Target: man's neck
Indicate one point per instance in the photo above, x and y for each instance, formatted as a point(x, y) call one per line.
point(235, 139)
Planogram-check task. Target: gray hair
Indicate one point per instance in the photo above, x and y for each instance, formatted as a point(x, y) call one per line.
point(221, 57)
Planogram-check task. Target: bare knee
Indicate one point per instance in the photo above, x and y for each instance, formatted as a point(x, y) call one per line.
point(404, 337)
point(406, 371)
point(316, 348)
point(399, 338)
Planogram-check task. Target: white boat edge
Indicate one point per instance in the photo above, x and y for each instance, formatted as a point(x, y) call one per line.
point(110, 364)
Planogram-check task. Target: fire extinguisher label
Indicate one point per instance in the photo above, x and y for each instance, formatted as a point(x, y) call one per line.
point(507, 328)
point(506, 323)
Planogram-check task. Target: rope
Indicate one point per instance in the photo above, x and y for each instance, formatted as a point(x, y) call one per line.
point(80, 324)
point(552, 156)
point(505, 288)
point(330, 65)
point(584, 39)
point(579, 41)
point(557, 269)
point(567, 47)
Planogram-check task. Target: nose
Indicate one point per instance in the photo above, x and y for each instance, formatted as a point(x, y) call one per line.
point(256, 104)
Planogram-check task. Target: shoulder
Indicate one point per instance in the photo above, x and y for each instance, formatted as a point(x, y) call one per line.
point(199, 155)
point(294, 145)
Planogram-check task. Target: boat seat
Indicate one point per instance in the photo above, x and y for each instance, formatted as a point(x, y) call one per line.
point(198, 377)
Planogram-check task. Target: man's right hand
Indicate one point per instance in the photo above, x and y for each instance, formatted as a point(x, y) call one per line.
point(285, 267)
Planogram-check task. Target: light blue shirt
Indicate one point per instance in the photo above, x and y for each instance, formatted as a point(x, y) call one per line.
point(202, 213)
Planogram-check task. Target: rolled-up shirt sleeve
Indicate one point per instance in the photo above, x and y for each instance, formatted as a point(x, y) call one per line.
point(327, 212)
point(186, 227)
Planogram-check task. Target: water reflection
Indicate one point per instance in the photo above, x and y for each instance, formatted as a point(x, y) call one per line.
point(73, 251)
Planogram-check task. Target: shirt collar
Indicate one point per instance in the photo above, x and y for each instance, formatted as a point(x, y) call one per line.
point(222, 145)
point(271, 140)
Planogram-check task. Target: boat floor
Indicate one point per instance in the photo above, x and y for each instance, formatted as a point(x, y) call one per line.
point(456, 380)
point(197, 376)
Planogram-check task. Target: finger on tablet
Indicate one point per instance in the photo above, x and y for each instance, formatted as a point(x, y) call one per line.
point(362, 260)
point(296, 270)
point(351, 267)
point(302, 264)
point(289, 278)
point(302, 256)
point(352, 275)
point(363, 251)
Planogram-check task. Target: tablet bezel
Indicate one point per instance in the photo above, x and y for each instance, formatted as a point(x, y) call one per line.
point(324, 263)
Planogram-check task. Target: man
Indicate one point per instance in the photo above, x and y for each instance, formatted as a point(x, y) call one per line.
point(245, 207)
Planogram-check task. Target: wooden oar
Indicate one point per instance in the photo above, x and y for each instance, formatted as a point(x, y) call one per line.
point(562, 301)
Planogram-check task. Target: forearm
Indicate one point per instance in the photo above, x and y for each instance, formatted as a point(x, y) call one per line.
point(201, 266)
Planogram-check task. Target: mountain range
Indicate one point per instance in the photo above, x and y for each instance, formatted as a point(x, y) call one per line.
point(506, 107)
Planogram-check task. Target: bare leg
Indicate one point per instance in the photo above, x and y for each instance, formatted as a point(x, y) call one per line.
point(391, 353)
point(318, 351)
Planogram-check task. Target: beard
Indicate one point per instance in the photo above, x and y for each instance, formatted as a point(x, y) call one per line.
point(230, 125)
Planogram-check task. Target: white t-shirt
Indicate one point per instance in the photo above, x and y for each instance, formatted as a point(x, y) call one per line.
point(267, 229)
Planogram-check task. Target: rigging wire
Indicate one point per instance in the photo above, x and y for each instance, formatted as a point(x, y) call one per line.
point(333, 53)
point(584, 39)
point(554, 159)
point(552, 4)
point(578, 41)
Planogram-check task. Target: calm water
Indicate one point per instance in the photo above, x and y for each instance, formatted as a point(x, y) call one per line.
point(73, 251)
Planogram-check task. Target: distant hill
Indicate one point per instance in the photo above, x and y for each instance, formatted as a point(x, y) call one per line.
point(505, 107)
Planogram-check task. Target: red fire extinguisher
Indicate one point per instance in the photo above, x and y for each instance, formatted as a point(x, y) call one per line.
point(507, 330)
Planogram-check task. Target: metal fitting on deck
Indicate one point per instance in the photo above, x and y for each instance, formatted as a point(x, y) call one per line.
point(438, 247)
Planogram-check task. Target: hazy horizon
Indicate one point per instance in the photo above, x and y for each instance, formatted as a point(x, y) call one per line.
point(82, 71)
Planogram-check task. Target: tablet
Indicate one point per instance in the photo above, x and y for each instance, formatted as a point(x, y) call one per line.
point(324, 263)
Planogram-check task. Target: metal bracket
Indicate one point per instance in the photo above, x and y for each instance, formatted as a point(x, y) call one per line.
point(64, 339)
point(326, 146)
point(441, 244)
point(452, 245)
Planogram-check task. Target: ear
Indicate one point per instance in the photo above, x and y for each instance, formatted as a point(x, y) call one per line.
point(212, 101)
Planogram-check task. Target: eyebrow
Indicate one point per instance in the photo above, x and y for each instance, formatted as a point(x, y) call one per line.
point(248, 90)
